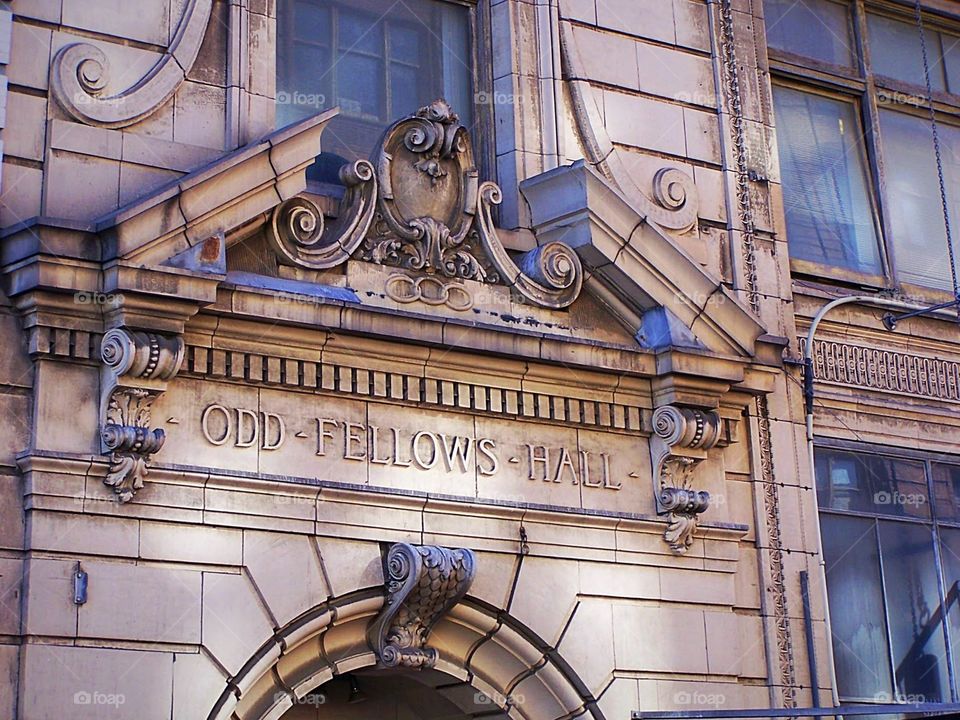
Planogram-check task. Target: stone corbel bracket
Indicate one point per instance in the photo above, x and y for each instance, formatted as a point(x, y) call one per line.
point(136, 367)
point(423, 582)
point(680, 442)
point(80, 73)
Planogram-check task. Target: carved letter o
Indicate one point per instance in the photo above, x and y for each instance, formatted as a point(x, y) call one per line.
point(423, 464)
point(206, 430)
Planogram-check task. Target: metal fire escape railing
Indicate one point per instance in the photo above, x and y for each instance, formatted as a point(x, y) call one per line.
point(928, 629)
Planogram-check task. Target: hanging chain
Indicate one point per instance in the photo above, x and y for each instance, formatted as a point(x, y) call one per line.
point(937, 153)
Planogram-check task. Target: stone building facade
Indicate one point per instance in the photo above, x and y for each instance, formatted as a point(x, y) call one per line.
point(495, 409)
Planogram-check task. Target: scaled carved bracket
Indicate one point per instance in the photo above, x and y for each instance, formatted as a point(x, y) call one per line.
point(420, 207)
point(80, 73)
point(423, 582)
point(680, 442)
point(136, 367)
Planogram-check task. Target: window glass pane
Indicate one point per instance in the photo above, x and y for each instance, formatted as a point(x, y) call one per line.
point(917, 234)
point(863, 482)
point(913, 607)
point(895, 51)
point(825, 188)
point(815, 29)
point(950, 556)
point(377, 59)
point(854, 591)
point(951, 61)
point(946, 492)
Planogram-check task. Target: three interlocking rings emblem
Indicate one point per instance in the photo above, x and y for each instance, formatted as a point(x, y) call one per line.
point(430, 290)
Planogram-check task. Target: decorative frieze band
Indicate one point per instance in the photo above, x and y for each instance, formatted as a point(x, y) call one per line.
point(290, 372)
point(886, 370)
point(402, 387)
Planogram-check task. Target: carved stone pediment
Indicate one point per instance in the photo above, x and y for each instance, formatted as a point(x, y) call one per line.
point(680, 442)
point(419, 206)
point(423, 582)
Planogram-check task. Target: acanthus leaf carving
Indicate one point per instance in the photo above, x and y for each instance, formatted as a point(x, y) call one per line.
point(681, 439)
point(80, 73)
point(423, 582)
point(420, 207)
point(136, 367)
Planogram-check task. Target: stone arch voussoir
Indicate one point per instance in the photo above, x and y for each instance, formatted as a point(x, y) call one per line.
point(476, 643)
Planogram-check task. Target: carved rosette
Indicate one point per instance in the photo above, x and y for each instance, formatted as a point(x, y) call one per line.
point(136, 367)
point(682, 437)
point(423, 582)
point(420, 206)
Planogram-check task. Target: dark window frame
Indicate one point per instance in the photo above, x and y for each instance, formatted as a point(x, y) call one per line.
point(481, 75)
point(933, 523)
point(872, 92)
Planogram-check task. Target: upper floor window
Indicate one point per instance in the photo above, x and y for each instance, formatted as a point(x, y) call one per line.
point(891, 543)
point(378, 60)
point(858, 167)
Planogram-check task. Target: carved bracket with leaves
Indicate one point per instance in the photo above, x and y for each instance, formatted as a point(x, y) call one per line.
point(423, 582)
point(419, 206)
point(680, 442)
point(136, 367)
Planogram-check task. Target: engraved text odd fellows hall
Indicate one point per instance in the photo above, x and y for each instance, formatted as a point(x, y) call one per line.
point(423, 449)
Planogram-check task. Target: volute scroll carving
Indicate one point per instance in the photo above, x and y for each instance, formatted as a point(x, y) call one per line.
point(80, 73)
point(298, 231)
point(423, 582)
point(135, 369)
point(419, 206)
point(680, 442)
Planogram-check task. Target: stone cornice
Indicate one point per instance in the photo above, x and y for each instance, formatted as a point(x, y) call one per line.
point(180, 496)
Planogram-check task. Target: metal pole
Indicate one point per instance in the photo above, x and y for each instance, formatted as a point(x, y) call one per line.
point(808, 626)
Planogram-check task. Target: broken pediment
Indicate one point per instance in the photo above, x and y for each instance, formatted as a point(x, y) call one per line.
point(412, 230)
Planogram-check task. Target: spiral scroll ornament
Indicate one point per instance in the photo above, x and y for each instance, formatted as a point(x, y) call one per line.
point(80, 75)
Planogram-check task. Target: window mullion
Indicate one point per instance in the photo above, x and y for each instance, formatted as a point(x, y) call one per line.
point(886, 610)
point(871, 122)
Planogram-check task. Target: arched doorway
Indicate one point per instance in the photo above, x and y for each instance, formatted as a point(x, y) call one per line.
point(399, 695)
point(479, 646)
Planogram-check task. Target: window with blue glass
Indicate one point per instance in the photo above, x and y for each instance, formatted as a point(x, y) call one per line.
point(891, 541)
point(377, 60)
point(860, 181)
